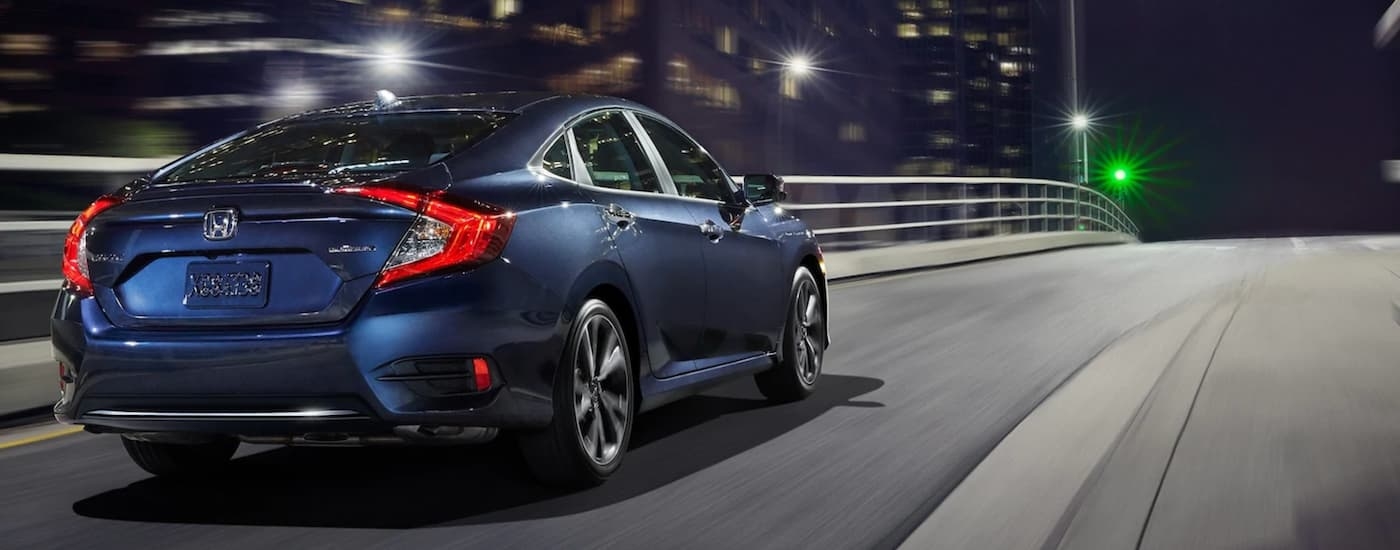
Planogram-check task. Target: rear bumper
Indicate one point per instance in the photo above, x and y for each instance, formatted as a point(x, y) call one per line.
point(346, 378)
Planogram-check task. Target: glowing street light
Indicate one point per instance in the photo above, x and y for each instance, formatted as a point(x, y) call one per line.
point(798, 66)
point(1079, 122)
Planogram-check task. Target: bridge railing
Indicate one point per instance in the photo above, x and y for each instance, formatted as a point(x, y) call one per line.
point(854, 210)
point(847, 212)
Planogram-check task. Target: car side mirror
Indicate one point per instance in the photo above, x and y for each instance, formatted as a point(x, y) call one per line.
point(764, 188)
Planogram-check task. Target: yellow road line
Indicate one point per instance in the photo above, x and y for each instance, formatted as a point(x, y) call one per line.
point(45, 436)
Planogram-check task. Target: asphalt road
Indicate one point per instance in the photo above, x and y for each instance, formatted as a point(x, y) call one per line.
point(927, 373)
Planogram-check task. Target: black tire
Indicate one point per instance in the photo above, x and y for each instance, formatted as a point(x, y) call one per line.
point(181, 460)
point(562, 455)
point(804, 344)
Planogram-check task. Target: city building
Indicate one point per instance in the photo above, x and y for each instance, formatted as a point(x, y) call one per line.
point(975, 88)
point(775, 86)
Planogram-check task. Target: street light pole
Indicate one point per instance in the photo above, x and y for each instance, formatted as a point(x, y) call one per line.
point(1080, 121)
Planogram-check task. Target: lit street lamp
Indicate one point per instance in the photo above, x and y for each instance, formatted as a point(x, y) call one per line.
point(1081, 122)
point(798, 66)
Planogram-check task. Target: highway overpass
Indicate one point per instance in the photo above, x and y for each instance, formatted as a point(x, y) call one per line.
point(1212, 394)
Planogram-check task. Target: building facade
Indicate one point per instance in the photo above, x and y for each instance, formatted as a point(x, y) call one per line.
point(768, 85)
point(969, 86)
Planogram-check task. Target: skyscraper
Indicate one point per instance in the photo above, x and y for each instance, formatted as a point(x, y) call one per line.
point(967, 86)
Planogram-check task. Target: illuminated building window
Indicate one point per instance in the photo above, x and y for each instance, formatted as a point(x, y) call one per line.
point(940, 4)
point(614, 76)
point(396, 13)
point(907, 30)
point(852, 131)
point(980, 83)
point(23, 75)
point(942, 140)
point(939, 97)
point(682, 78)
point(501, 9)
point(908, 5)
point(1009, 39)
point(975, 35)
point(939, 29)
point(25, 44)
point(1009, 11)
point(978, 171)
point(1010, 68)
point(102, 50)
point(1012, 151)
point(726, 40)
point(561, 32)
point(789, 88)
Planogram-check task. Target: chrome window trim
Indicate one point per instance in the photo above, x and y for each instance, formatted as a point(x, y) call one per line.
point(663, 176)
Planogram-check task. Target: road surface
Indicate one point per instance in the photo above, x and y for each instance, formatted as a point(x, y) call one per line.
point(927, 373)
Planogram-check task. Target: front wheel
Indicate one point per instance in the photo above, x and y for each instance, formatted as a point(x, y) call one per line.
point(181, 459)
point(804, 344)
point(593, 405)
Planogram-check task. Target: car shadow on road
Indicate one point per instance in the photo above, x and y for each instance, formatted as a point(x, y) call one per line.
point(399, 488)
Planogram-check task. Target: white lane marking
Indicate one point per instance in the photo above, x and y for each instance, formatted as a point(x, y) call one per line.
point(1299, 244)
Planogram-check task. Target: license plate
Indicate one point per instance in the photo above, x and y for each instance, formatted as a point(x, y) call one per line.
point(226, 284)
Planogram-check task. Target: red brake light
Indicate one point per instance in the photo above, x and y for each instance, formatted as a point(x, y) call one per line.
point(75, 256)
point(444, 237)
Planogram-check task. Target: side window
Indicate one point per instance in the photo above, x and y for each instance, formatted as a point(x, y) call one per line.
point(695, 173)
point(613, 155)
point(556, 159)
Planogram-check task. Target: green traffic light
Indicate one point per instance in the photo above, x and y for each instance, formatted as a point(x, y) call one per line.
point(1120, 174)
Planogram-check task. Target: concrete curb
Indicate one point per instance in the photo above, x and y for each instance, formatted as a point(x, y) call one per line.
point(905, 257)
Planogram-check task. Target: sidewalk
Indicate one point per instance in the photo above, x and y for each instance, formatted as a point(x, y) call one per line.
point(1267, 416)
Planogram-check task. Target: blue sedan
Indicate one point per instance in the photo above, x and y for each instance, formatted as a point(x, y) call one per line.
point(432, 270)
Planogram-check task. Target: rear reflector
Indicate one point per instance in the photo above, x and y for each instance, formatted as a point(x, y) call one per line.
point(482, 374)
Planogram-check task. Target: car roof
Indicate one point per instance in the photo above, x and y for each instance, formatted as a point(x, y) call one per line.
point(540, 116)
point(514, 102)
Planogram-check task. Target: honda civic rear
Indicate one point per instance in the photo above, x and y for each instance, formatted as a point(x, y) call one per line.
point(286, 286)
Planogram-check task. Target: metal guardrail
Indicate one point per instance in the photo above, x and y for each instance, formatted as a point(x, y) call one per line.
point(847, 210)
point(895, 203)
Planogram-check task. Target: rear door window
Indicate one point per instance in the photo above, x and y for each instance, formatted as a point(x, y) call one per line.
point(613, 155)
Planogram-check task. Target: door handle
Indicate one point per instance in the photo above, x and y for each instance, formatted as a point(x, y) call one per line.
point(711, 230)
point(619, 215)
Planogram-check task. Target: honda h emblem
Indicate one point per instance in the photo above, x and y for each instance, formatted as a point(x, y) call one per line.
point(220, 224)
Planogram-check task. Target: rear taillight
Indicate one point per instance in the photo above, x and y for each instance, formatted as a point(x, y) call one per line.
point(445, 236)
point(75, 255)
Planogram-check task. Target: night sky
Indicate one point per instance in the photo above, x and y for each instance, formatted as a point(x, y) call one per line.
point(1281, 111)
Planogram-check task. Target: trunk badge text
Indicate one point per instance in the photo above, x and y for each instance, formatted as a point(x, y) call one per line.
point(350, 248)
point(220, 224)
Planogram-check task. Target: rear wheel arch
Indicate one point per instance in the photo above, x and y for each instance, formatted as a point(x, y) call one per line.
point(607, 281)
point(621, 305)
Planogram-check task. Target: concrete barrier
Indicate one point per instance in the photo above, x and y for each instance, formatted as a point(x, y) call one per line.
point(27, 375)
point(904, 257)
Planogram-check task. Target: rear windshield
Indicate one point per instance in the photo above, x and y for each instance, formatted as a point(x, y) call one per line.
point(376, 143)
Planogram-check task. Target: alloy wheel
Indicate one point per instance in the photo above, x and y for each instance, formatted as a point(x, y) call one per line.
point(602, 405)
